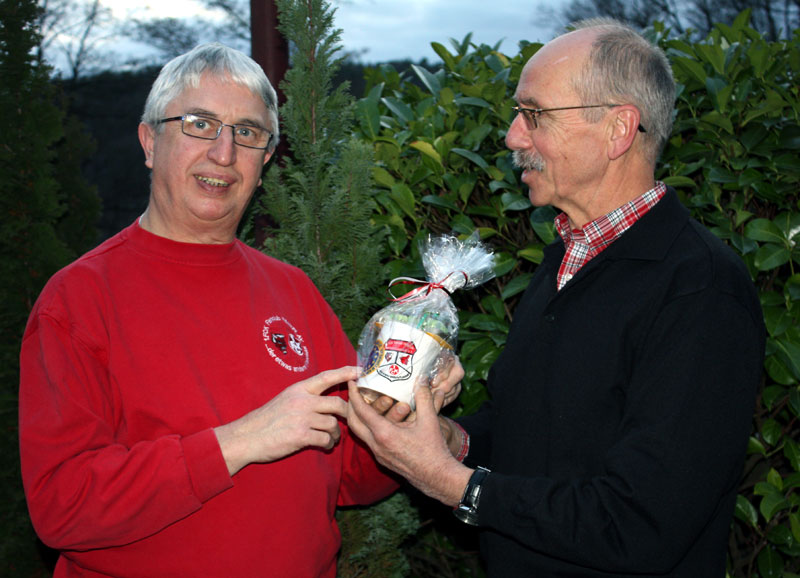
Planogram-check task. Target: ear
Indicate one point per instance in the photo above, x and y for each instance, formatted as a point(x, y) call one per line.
point(267, 156)
point(624, 127)
point(147, 140)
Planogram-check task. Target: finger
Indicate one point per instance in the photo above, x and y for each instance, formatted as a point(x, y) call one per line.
point(326, 423)
point(325, 380)
point(358, 408)
point(438, 400)
point(324, 439)
point(332, 405)
point(451, 395)
point(424, 398)
point(445, 368)
point(383, 404)
point(398, 412)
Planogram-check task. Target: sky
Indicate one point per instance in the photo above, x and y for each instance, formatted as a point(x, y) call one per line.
point(381, 30)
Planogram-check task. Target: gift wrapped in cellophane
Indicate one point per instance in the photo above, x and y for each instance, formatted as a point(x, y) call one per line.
point(410, 340)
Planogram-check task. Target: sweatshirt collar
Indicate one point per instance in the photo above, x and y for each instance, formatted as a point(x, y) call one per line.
point(198, 254)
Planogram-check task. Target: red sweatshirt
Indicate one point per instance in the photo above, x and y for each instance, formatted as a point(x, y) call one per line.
point(131, 356)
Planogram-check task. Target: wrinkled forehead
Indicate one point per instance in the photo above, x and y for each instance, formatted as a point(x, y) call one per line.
point(216, 93)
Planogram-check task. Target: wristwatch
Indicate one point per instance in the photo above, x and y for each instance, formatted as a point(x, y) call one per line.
point(467, 509)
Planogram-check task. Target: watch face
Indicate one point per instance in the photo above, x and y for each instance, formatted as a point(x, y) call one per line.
point(466, 515)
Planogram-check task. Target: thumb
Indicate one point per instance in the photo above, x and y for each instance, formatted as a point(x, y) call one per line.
point(425, 400)
point(325, 380)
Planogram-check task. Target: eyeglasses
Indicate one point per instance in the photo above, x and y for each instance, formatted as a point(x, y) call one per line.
point(246, 135)
point(532, 114)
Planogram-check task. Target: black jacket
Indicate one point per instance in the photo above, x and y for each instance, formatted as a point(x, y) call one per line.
point(620, 409)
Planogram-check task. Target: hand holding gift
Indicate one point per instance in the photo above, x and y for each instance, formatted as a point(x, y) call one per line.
point(409, 341)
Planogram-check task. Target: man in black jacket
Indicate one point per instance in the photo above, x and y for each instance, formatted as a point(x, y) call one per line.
point(620, 408)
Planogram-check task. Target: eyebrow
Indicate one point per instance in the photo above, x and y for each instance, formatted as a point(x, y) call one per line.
point(528, 102)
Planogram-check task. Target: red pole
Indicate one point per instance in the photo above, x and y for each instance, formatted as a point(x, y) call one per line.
point(271, 51)
point(267, 45)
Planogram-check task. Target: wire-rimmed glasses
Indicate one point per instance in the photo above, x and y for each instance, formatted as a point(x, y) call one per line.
point(532, 114)
point(246, 135)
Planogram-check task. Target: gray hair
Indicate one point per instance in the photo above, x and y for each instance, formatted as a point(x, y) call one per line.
point(217, 59)
point(624, 68)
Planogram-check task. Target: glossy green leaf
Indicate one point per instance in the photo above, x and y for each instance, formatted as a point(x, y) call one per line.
point(717, 119)
point(745, 511)
point(794, 524)
point(404, 198)
point(712, 54)
point(772, 503)
point(679, 181)
point(791, 450)
point(487, 323)
point(780, 536)
point(720, 92)
point(440, 201)
point(383, 177)
point(754, 446)
point(771, 431)
point(400, 109)
point(473, 101)
point(771, 257)
point(764, 230)
point(534, 254)
point(691, 67)
point(515, 202)
point(541, 221)
point(475, 158)
point(770, 563)
point(774, 479)
point(773, 395)
point(503, 263)
point(428, 79)
point(722, 175)
point(444, 54)
point(427, 149)
point(516, 285)
point(794, 400)
point(789, 351)
point(369, 117)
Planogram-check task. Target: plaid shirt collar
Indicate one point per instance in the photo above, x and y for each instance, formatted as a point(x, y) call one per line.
point(582, 245)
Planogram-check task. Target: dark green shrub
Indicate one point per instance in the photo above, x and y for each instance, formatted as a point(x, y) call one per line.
point(48, 212)
point(735, 155)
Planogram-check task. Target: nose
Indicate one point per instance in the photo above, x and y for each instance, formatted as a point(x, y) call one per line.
point(223, 149)
point(518, 135)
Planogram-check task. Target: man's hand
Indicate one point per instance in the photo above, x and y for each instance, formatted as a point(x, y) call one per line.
point(447, 381)
point(298, 417)
point(415, 449)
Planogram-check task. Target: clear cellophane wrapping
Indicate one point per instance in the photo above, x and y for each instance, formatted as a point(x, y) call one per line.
point(410, 340)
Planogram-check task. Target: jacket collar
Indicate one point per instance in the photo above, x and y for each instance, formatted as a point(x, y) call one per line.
point(649, 238)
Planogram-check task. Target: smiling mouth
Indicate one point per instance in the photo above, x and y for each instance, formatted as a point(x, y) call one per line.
point(211, 181)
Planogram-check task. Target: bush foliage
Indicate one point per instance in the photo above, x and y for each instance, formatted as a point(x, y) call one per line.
point(441, 166)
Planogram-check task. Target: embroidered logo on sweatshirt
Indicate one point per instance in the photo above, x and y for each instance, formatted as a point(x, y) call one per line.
point(285, 344)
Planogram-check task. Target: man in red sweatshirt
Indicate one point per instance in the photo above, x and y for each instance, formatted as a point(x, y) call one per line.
point(173, 411)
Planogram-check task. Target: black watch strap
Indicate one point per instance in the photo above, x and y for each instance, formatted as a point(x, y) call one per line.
point(467, 509)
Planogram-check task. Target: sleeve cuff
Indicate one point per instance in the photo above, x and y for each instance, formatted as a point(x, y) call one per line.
point(205, 464)
point(464, 449)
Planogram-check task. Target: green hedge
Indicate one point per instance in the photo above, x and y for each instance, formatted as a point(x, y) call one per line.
point(441, 166)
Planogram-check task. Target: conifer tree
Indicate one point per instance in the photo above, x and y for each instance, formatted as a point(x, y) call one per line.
point(48, 212)
point(318, 198)
point(319, 201)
